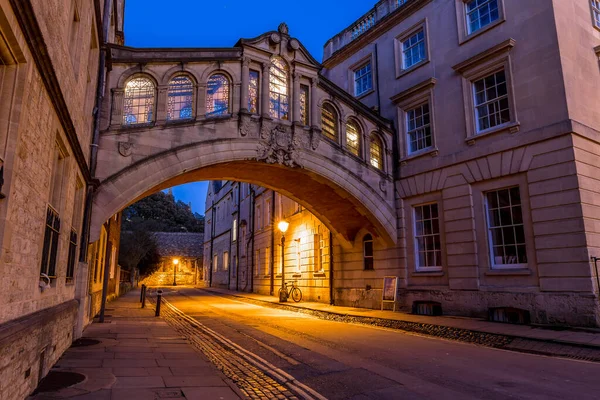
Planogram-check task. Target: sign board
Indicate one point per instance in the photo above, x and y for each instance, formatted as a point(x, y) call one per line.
point(390, 289)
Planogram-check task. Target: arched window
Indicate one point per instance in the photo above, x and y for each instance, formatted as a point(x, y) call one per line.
point(217, 96)
point(138, 101)
point(278, 89)
point(180, 98)
point(353, 137)
point(368, 251)
point(376, 152)
point(329, 122)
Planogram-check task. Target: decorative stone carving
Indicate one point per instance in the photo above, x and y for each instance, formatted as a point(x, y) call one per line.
point(293, 44)
point(283, 28)
point(279, 148)
point(125, 148)
point(275, 38)
point(383, 185)
point(248, 127)
point(265, 129)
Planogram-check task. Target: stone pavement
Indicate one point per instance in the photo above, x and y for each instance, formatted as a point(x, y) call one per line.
point(575, 343)
point(141, 357)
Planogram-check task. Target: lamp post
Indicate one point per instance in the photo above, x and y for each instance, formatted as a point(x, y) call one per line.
point(175, 262)
point(283, 226)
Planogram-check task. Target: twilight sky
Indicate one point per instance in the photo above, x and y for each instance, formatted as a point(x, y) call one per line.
point(220, 23)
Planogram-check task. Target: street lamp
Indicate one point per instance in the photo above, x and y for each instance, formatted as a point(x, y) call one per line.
point(175, 262)
point(283, 227)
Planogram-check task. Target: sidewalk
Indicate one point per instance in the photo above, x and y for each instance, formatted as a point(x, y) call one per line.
point(569, 337)
point(138, 356)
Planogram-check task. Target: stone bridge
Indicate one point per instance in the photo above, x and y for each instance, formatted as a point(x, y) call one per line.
point(258, 112)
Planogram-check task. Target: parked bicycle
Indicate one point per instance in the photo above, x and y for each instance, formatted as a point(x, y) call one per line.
point(294, 292)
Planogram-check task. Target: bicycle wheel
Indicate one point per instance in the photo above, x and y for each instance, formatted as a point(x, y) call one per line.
point(282, 295)
point(296, 294)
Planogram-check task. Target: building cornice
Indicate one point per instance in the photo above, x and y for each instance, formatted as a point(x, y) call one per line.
point(124, 54)
point(425, 85)
point(500, 48)
point(25, 14)
point(381, 27)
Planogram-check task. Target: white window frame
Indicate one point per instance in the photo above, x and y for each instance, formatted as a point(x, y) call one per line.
point(418, 267)
point(495, 100)
point(462, 20)
point(420, 42)
point(361, 76)
point(595, 5)
point(491, 245)
point(423, 127)
point(477, 9)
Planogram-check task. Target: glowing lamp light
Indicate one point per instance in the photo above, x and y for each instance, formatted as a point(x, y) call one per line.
point(175, 261)
point(283, 226)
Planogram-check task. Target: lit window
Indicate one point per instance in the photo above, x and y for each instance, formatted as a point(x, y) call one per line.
point(278, 89)
point(138, 102)
point(428, 246)
point(376, 152)
point(596, 12)
point(253, 92)
point(215, 262)
point(217, 96)
point(304, 105)
point(234, 232)
point(225, 261)
point(418, 128)
point(181, 92)
point(491, 101)
point(506, 233)
point(353, 137)
point(368, 252)
point(329, 122)
point(256, 262)
point(268, 261)
point(481, 13)
point(363, 79)
point(413, 49)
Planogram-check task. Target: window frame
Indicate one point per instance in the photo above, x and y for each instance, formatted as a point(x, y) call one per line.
point(368, 260)
point(219, 114)
point(399, 48)
point(360, 133)
point(436, 268)
point(369, 59)
point(375, 136)
point(368, 75)
point(408, 131)
point(154, 105)
point(595, 11)
point(288, 94)
point(258, 87)
point(487, 102)
point(194, 87)
point(464, 35)
point(336, 120)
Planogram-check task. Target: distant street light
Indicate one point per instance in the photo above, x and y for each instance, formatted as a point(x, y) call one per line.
point(175, 262)
point(283, 227)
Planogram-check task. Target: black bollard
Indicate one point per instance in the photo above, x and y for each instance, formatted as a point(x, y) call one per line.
point(143, 296)
point(158, 301)
point(142, 293)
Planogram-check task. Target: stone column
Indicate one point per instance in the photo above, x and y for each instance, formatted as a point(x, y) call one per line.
point(245, 81)
point(201, 96)
point(116, 116)
point(161, 105)
point(314, 119)
point(296, 98)
point(264, 92)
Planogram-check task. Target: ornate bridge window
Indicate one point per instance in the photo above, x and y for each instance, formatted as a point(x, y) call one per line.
point(253, 92)
point(217, 96)
point(138, 101)
point(376, 152)
point(353, 137)
point(278, 89)
point(180, 98)
point(329, 121)
point(304, 97)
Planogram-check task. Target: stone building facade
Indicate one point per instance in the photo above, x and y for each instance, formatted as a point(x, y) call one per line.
point(49, 61)
point(242, 242)
point(497, 148)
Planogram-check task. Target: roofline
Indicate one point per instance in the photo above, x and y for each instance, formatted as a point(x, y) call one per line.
point(248, 41)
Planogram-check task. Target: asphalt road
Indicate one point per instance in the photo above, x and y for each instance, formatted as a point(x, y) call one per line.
point(348, 361)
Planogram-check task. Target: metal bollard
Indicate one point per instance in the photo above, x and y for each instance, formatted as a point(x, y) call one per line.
point(158, 301)
point(142, 293)
point(144, 296)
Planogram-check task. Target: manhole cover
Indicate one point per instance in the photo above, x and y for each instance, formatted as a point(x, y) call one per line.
point(56, 380)
point(85, 342)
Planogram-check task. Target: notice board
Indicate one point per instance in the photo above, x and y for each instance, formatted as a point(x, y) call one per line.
point(390, 290)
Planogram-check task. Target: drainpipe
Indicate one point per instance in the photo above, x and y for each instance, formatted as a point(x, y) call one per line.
point(237, 239)
point(595, 260)
point(87, 214)
point(271, 260)
point(377, 81)
point(331, 301)
point(212, 240)
point(252, 206)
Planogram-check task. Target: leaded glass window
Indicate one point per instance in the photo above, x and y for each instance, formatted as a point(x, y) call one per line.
point(278, 89)
point(376, 152)
point(428, 244)
point(217, 96)
point(363, 79)
point(180, 98)
point(353, 137)
point(329, 122)
point(138, 101)
point(413, 49)
point(596, 12)
point(491, 101)
point(253, 92)
point(481, 13)
point(418, 128)
point(505, 228)
point(304, 105)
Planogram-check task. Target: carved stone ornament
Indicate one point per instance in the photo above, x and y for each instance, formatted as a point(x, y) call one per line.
point(248, 128)
point(275, 38)
point(283, 28)
point(125, 148)
point(383, 185)
point(293, 44)
point(279, 148)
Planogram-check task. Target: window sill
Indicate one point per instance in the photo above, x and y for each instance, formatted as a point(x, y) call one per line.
point(427, 273)
point(512, 127)
point(365, 94)
point(432, 151)
point(481, 31)
point(217, 117)
point(319, 275)
point(509, 272)
point(180, 121)
point(410, 69)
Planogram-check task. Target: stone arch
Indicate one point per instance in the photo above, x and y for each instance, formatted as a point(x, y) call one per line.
point(222, 69)
point(138, 70)
point(177, 71)
point(340, 198)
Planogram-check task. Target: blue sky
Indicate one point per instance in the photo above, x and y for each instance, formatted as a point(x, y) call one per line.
point(201, 23)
